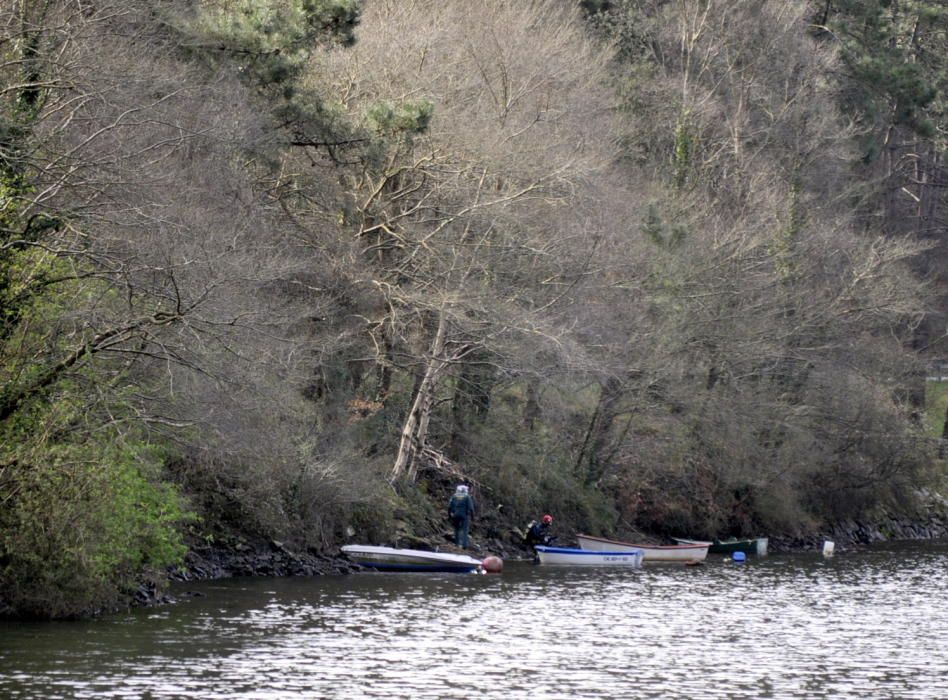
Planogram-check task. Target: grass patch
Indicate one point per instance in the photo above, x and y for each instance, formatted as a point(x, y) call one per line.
point(936, 403)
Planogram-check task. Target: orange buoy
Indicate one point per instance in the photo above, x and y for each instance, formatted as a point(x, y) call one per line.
point(492, 564)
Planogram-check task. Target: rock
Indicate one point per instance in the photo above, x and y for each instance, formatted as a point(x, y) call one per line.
point(410, 541)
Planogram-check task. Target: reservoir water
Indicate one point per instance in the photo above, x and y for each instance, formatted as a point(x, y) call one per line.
point(864, 624)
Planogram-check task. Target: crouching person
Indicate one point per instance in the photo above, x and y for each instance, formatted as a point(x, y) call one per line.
point(539, 532)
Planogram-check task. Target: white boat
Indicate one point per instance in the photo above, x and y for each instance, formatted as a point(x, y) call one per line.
point(565, 556)
point(651, 552)
point(393, 559)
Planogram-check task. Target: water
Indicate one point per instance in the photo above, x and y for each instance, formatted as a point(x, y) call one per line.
point(866, 624)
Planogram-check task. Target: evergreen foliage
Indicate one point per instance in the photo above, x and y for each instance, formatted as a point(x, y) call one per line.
point(895, 55)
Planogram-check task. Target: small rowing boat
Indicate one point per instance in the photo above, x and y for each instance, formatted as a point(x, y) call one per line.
point(679, 553)
point(565, 556)
point(394, 559)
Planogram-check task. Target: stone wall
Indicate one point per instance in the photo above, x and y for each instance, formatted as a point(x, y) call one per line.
point(928, 521)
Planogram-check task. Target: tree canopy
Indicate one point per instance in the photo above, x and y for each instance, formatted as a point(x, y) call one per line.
point(291, 268)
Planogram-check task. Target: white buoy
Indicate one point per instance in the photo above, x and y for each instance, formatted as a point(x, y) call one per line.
point(828, 547)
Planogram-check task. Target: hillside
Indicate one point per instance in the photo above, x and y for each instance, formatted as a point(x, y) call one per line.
point(289, 270)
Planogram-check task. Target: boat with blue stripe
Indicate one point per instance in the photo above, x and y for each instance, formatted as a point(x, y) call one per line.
point(566, 556)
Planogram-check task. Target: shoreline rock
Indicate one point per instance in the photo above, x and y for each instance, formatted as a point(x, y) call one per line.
point(205, 562)
point(928, 522)
point(274, 559)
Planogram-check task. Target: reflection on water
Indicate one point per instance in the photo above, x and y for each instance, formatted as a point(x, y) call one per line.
point(864, 624)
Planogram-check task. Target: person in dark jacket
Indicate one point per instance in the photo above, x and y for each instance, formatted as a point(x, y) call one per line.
point(461, 511)
point(539, 532)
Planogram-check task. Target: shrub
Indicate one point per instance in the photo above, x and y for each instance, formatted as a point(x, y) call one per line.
point(84, 517)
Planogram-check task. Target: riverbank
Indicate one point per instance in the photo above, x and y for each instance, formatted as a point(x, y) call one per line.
point(240, 554)
point(928, 521)
point(244, 555)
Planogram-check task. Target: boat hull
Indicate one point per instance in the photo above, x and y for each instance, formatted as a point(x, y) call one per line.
point(757, 546)
point(651, 553)
point(393, 559)
point(565, 556)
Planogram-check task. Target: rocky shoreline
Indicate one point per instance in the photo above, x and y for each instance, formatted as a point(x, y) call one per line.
point(264, 559)
point(270, 559)
point(929, 521)
point(274, 559)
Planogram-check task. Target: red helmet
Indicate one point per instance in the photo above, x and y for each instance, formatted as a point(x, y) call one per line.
point(547, 519)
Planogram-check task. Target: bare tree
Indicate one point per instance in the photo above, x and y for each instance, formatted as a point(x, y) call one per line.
point(746, 279)
point(463, 210)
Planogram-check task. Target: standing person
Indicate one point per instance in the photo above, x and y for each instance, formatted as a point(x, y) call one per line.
point(461, 510)
point(539, 532)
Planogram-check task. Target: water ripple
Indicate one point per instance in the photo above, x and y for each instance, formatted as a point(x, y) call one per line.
point(868, 624)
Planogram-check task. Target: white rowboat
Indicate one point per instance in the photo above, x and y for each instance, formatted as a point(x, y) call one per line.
point(393, 559)
point(564, 556)
point(652, 552)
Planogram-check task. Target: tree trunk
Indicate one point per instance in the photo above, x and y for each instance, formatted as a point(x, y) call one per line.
point(597, 435)
point(532, 411)
point(458, 421)
point(472, 394)
point(415, 429)
point(384, 367)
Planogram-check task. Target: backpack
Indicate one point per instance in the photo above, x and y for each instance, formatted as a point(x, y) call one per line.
point(453, 508)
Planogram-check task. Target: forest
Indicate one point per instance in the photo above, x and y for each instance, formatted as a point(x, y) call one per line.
point(295, 268)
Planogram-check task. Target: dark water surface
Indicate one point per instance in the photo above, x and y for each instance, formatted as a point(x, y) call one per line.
point(866, 624)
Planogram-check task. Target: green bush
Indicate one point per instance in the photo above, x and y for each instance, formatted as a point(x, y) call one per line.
point(84, 517)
